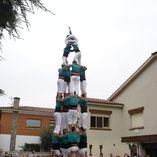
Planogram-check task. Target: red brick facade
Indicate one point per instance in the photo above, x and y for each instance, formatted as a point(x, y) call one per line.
point(42, 114)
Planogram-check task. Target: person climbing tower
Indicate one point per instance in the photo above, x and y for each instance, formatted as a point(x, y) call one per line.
point(58, 116)
point(61, 86)
point(75, 78)
point(83, 82)
point(71, 46)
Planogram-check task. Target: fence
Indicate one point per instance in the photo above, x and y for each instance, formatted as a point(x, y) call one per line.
point(26, 154)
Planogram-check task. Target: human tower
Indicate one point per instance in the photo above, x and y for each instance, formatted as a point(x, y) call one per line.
point(69, 135)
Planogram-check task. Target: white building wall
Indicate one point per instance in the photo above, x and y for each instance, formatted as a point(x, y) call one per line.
point(141, 92)
point(20, 141)
point(110, 139)
point(4, 142)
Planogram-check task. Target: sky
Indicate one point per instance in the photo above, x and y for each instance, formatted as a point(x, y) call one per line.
point(115, 38)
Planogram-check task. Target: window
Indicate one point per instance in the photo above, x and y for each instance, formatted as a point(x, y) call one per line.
point(106, 121)
point(99, 122)
point(33, 123)
point(136, 118)
point(100, 119)
point(93, 121)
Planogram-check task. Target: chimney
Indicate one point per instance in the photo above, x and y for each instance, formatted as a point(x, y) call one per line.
point(16, 103)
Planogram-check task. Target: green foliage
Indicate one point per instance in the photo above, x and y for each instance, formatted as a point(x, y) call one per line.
point(26, 148)
point(2, 92)
point(45, 138)
point(14, 12)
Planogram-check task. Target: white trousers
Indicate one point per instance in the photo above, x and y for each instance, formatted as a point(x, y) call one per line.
point(61, 88)
point(57, 152)
point(65, 61)
point(64, 152)
point(74, 86)
point(58, 118)
point(83, 152)
point(84, 116)
point(67, 87)
point(64, 122)
point(79, 116)
point(73, 150)
point(77, 57)
point(72, 116)
point(83, 86)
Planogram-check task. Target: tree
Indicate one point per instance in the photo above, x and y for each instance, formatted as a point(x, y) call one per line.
point(14, 12)
point(2, 92)
point(45, 138)
point(30, 147)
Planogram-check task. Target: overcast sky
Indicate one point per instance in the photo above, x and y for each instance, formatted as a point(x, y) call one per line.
point(115, 38)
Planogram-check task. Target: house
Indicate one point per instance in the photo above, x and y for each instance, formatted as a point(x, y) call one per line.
point(22, 124)
point(126, 123)
point(139, 122)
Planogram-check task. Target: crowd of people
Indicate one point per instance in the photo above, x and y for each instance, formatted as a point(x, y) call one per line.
point(69, 135)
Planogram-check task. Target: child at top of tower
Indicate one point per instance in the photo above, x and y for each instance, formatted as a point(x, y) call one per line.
point(71, 45)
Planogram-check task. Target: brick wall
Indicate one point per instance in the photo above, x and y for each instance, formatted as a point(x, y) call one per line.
point(6, 121)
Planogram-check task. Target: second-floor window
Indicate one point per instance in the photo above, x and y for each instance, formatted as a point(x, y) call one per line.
point(99, 122)
point(100, 119)
point(33, 123)
point(136, 118)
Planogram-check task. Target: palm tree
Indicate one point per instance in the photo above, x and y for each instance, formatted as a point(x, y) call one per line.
point(14, 12)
